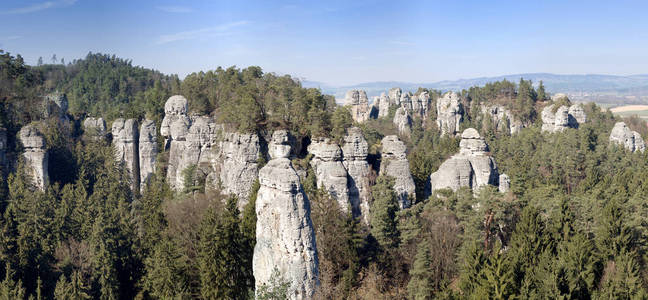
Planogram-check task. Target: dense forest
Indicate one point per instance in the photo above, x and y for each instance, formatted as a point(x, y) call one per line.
point(573, 226)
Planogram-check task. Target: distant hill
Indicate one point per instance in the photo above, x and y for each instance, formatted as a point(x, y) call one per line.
point(610, 89)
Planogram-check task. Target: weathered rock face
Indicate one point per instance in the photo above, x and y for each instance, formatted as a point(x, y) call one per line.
point(562, 118)
point(35, 155)
point(329, 170)
point(55, 105)
point(383, 105)
point(394, 163)
point(421, 105)
point(504, 183)
point(238, 164)
point(359, 105)
point(472, 167)
point(285, 239)
point(631, 140)
point(395, 96)
point(148, 150)
point(175, 111)
point(578, 113)
point(406, 101)
point(403, 121)
point(354, 153)
point(502, 119)
point(125, 141)
point(449, 113)
point(95, 128)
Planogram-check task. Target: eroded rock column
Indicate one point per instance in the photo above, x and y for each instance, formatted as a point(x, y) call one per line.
point(285, 240)
point(629, 139)
point(35, 155)
point(329, 170)
point(394, 163)
point(449, 113)
point(148, 150)
point(125, 141)
point(354, 153)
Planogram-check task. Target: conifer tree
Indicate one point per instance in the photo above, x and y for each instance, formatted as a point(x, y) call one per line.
point(383, 212)
point(220, 258)
point(420, 286)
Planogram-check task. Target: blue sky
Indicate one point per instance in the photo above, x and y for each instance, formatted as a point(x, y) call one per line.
point(339, 42)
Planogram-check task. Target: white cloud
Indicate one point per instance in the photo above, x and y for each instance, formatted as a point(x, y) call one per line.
point(38, 7)
point(175, 9)
point(219, 30)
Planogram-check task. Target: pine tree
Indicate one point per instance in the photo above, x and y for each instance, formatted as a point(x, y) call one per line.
point(542, 95)
point(497, 281)
point(420, 286)
point(248, 230)
point(622, 279)
point(383, 212)
point(71, 290)
point(167, 270)
point(220, 258)
point(9, 289)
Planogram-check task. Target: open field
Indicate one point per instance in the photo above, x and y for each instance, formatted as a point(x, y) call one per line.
point(630, 110)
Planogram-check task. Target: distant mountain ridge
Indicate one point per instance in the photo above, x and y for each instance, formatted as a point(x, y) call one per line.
point(586, 87)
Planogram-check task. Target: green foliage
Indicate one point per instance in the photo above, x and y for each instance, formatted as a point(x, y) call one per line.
point(383, 212)
point(276, 289)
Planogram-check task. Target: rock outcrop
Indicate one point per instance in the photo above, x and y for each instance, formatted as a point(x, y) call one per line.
point(449, 113)
point(629, 139)
point(358, 103)
point(354, 152)
point(472, 167)
point(148, 150)
point(394, 163)
point(285, 240)
point(329, 170)
point(95, 129)
point(420, 105)
point(125, 141)
point(3, 152)
point(55, 105)
point(383, 105)
point(504, 183)
point(502, 118)
point(403, 121)
point(238, 164)
point(35, 155)
point(564, 117)
point(395, 96)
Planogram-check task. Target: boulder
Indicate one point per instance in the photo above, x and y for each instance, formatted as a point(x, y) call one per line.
point(35, 155)
point(354, 152)
point(472, 167)
point(358, 103)
point(449, 113)
point(125, 141)
point(148, 150)
point(394, 163)
point(403, 121)
point(285, 239)
point(629, 139)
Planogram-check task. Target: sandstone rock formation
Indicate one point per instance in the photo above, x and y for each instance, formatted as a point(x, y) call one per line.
point(95, 128)
point(125, 141)
point(420, 105)
point(395, 96)
point(449, 113)
point(403, 121)
point(35, 155)
point(383, 105)
point(148, 150)
point(504, 183)
point(237, 164)
point(55, 105)
point(227, 161)
point(329, 170)
point(578, 113)
point(562, 119)
point(394, 163)
point(354, 152)
point(629, 139)
point(472, 167)
point(285, 240)
point(358, 103)
point(502, 119)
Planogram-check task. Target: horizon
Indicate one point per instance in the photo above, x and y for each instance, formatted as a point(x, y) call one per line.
point(339, 43)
